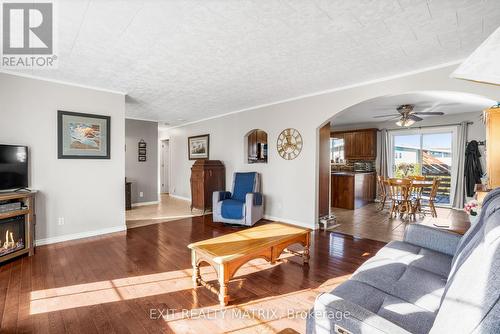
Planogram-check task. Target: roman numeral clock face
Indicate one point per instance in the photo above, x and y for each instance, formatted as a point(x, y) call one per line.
point(289, 144)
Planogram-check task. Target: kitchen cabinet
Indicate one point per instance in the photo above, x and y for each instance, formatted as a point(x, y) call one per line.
point(359, 144)
point(351, 190)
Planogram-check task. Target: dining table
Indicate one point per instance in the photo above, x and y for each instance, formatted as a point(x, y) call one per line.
point(415, 192)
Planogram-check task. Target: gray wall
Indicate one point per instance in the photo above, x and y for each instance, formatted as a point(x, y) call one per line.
point(143, 175)
point(77, 197)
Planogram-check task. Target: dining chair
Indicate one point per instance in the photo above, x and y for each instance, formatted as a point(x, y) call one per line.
point(399, 191)
point(429, 201)
point(382, 191)
point(416, 194)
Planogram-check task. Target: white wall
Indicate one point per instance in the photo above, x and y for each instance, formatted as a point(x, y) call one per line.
point(89, 194)
point(290, 187)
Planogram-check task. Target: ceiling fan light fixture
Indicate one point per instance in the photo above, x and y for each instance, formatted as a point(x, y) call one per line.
point(406, 122)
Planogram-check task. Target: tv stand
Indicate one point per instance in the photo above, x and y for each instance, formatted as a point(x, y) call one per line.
point(22, 190)
point(27, 210)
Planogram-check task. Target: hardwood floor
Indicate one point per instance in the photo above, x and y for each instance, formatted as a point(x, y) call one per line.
point(168, 209)
point(124, 282)
point(370, 223)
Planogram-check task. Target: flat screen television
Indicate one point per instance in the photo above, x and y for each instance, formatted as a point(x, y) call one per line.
point(13, 167)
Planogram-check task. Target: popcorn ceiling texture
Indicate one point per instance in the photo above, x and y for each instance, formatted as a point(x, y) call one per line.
point(181, 61)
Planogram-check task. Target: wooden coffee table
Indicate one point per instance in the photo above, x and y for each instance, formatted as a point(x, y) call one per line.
point(227, 253)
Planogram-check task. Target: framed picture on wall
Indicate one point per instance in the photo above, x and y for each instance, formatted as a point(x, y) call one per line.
point(199, 147)
point(83, 136)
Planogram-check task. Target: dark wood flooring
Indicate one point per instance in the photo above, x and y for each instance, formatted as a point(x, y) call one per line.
point(124, 283)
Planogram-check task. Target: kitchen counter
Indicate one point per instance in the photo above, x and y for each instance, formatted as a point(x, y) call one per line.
point(352, 190)
point(346, 172)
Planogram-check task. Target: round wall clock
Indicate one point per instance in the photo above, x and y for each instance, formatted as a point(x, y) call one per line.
point(289, 144)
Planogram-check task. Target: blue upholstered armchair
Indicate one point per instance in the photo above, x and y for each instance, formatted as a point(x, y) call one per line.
point(244, 205)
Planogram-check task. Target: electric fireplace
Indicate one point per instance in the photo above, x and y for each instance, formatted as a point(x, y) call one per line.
point(12, 235)
point(17, 224)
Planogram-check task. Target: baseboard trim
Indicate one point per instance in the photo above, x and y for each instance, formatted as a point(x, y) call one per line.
point(74, 236)
point(144, 203)
point(291, 222)
point(180, 197)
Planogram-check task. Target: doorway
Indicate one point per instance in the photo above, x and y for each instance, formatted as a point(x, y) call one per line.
point(164, 166)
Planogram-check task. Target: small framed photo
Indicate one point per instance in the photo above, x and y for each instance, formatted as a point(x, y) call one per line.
point(142, 151)
point(83, 136)
point(199, 147)
point(142, 158)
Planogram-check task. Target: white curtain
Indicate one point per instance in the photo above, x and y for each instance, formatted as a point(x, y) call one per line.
point(459, 196)
point(384, 153)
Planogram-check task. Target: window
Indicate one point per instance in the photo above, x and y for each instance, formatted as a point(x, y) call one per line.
point(337, 150)
point(426, 152)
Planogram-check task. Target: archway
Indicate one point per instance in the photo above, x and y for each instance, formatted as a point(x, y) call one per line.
point(366, 115)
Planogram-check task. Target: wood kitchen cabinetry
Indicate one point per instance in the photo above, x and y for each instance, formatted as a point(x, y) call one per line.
point(350, 190)
point(358, 144)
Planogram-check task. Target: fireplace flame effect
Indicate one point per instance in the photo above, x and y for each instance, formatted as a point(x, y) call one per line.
point(10, 245)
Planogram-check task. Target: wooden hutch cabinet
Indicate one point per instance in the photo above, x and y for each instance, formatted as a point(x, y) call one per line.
point(207, 176)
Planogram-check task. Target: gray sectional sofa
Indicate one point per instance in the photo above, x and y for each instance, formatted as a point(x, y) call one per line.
point(432, 282)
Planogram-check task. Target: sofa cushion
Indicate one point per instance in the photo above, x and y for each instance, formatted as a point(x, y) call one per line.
point(405, 281)
point(399, 311)
point(471, 299)
point(435, 262)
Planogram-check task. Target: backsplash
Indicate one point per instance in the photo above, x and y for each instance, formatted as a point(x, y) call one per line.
point(363, 165)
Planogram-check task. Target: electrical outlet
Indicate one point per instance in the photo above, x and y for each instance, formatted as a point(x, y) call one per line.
point(60, 221)
point(141, 194)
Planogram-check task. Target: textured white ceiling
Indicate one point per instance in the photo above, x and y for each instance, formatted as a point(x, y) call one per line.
point(447, 102)
point(181, 61)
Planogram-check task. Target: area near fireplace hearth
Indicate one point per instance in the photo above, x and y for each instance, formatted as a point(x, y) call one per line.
point(17, 224)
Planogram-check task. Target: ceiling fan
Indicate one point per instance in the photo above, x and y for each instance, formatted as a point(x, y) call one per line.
point(407, 115)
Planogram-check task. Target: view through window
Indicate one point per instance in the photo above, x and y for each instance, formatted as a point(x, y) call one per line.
point(427, 154)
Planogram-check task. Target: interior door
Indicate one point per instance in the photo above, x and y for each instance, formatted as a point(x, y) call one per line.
point(164, 167)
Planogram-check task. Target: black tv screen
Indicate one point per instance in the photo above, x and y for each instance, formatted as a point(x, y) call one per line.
point(13, 167)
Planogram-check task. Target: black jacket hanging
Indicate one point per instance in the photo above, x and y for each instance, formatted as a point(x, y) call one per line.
point(473, 170)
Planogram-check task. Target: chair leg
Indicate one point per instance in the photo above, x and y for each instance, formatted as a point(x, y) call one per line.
point(382, 202)
point(433, 209)
point(393, 207)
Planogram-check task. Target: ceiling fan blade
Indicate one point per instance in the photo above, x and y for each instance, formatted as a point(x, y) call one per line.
point(428, 113)
point(383, 116)
point(415, 118)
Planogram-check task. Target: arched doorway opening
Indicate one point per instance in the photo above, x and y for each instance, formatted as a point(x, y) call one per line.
point(435, 118)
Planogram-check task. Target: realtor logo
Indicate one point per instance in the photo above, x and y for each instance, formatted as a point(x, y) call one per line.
point(28, 35)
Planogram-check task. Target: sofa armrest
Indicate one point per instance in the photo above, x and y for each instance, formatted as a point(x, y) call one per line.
point(432, 238)
point(254, 198)
point(333, 314)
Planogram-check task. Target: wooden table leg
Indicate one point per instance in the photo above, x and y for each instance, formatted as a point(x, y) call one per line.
point(223, 280)
point(306, 256)
point(196, 269)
